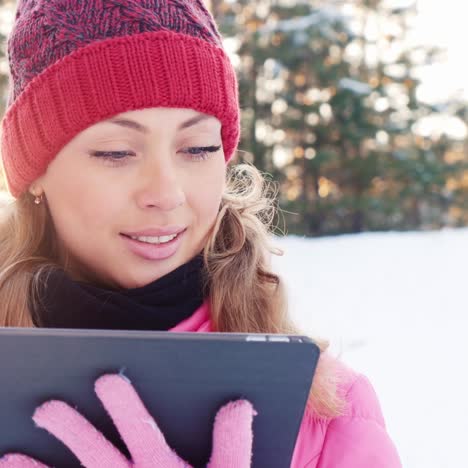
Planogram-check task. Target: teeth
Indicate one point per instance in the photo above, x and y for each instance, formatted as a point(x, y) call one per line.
point(154, 240)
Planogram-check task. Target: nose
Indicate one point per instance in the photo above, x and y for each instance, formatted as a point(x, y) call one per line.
point(160, 185)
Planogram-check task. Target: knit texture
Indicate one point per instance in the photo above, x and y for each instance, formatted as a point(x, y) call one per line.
point(62, 302)
point(76, 62)
point(232, 432)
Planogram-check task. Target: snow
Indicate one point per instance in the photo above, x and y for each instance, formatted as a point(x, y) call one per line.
point(356, 87)
point(322, 18)
point(394, 307)
point(292, 24)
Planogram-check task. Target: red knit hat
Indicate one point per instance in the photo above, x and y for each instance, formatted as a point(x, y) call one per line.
point(76, 62)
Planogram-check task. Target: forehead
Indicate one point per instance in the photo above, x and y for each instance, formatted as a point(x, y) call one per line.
point(145, 119)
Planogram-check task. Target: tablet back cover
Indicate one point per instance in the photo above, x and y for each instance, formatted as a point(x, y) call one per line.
point(182, 378)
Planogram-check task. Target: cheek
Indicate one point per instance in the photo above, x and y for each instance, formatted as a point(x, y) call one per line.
point(82, 208)
point(206, 194)
point(207, 207)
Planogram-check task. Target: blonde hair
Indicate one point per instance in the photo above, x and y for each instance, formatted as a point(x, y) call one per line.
point(245, 295)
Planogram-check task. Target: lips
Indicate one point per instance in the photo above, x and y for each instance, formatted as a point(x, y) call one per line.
point(150, 251)
point(156, 232)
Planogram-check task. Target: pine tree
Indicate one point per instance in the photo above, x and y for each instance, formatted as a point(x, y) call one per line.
point(329, 105)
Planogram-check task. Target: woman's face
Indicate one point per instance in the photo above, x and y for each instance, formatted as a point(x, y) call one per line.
point(122, 188)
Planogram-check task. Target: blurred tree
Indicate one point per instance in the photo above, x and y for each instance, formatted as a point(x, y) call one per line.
point(328, 92)
point(330, 109)
point(6, 9)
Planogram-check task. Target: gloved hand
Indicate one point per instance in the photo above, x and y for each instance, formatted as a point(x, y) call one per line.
point(232, 433)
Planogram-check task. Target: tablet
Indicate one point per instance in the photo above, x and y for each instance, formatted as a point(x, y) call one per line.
point(182, 378)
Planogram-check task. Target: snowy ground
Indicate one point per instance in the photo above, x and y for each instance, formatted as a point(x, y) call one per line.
point(395, 307)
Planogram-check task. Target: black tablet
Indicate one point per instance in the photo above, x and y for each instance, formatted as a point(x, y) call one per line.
point(182, 378)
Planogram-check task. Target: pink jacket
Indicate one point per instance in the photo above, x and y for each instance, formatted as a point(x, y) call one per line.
point(356, 440)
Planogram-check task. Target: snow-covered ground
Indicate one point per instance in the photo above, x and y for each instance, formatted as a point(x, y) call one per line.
point(395, 306)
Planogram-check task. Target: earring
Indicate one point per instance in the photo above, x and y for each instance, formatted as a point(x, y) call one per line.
point(38, 199)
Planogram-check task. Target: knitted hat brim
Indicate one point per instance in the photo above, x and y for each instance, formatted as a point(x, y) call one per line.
point(105, 78)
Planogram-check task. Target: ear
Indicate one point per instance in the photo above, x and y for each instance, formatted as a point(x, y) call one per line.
point(36, 188)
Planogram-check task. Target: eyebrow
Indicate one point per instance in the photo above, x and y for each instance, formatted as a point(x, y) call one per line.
point(128, 123)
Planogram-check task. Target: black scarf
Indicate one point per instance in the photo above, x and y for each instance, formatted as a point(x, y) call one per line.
point(160, 305)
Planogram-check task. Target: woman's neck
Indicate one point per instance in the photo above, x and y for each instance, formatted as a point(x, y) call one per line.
point(64, 302)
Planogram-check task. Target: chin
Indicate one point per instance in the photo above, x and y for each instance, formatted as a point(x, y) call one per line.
point(143, 272)
point(138, 281)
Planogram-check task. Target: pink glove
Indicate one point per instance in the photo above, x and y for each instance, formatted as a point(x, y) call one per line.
point(232, 433)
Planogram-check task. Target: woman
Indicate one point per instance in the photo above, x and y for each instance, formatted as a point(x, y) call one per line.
point(121, 119)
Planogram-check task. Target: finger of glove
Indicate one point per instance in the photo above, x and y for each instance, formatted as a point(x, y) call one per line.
point(17, 460)
point(79, 435)
point(233, 436)
point(138, 429)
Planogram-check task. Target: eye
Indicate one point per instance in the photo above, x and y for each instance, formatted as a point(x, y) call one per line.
point(201, 153)
point(195, 153)
point(113, 157)
point(112, 154)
